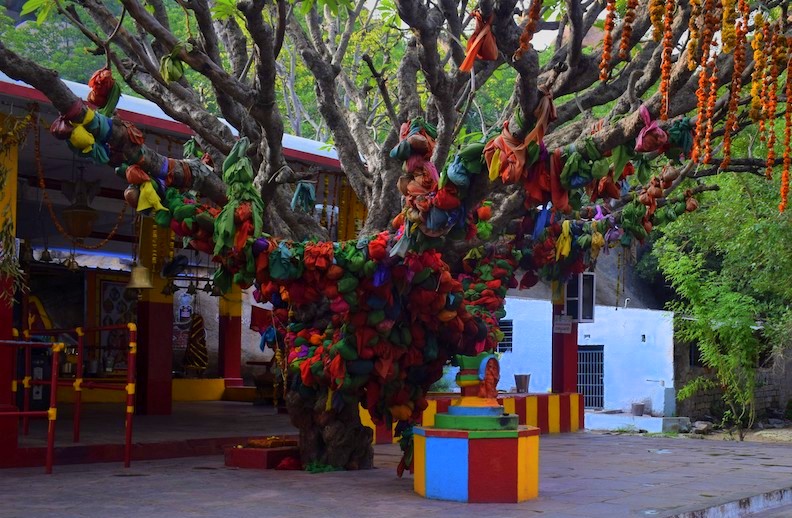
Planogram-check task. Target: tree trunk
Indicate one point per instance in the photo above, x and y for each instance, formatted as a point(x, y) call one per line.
point(330, 437)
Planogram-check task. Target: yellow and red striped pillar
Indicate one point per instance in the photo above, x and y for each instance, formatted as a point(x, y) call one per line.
point(8, 425)
point(155, 327)
point(230, 337)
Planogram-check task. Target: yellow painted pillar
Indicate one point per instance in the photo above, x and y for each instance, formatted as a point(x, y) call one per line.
point(8, 202)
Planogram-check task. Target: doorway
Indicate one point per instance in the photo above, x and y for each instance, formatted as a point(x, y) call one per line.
point(590, 380)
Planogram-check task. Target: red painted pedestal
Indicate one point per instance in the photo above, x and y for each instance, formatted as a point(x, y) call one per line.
point(259, 458)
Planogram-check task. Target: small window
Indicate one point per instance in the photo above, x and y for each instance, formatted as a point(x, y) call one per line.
point(505, 345)
point(580, 293)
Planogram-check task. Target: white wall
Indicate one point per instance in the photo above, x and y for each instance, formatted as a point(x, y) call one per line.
point(638, 356)
point(531, 344)
point(638, 347)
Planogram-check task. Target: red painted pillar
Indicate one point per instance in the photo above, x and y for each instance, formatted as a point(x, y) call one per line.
point(230, 337)
point(155, 328)
point(8, 425)
point(564, 359)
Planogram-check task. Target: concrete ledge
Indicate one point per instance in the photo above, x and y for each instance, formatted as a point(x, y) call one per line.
point(744, 506)
point(624, 421)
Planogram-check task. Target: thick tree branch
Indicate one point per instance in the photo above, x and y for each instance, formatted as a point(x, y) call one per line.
point(235, 43)
point(355, 169)
point(199, 62)
point(409, 100)
point(270, 117)
point(48, 82)
point(427, 25)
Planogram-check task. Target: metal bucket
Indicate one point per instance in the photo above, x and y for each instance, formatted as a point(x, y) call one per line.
point(521, 381)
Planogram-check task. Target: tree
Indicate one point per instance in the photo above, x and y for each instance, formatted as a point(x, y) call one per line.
point(560, 181)
point(728, 265)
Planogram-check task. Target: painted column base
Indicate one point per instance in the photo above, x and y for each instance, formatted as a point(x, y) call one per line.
point(551, 413)
point(489, 466)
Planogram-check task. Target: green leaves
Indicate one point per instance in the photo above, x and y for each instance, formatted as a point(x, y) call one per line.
point(171, 68)
point(333, 5)
point(224, 9)
point(42, 8)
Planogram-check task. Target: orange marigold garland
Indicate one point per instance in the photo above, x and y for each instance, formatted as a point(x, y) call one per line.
point(693, 30)
point(607, 42)
point(771, 38)
point(656, 16)
point(665, 67)
point(787, 135)
point(629, 18)
point(778, 61)
point(758, 44)
point(728, 30)
point(713, 97)
point(529, 30)
point(736, 82)
point(702, 92)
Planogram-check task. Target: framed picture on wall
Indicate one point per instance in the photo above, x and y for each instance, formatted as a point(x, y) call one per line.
point(117, 305)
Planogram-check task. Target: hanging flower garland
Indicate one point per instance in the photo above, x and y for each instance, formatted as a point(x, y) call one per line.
point(779, 57)
point(629, 18)
point(693, 30)
point(607, 42)
point(656, 9)
point(702, 92)
point(665, 66)
point(736, 83)
point(760, 62)
point(529, 30)
point(787, 135)
point(713, 97)
point(770, 42)
point(728, 29)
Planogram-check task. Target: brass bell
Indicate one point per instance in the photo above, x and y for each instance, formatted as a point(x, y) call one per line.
point(192, 289)
point(139, 278)
point(207, 287)
point(27, 253)
point(46, 256)
point(71, 263)
point(216, 291)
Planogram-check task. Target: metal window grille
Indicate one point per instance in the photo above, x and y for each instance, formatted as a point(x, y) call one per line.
point(505, 345)
point(590, 375)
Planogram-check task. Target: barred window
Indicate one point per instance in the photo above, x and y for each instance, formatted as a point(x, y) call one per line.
point(505, 345)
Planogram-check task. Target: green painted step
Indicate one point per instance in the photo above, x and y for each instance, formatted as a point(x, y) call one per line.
point(477, 422)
